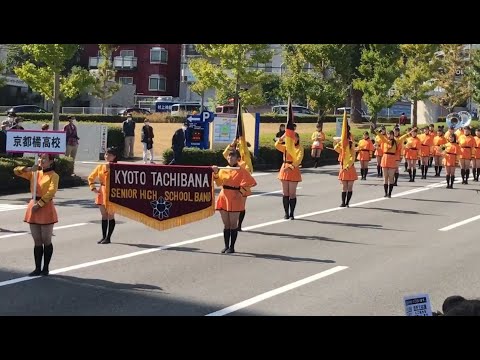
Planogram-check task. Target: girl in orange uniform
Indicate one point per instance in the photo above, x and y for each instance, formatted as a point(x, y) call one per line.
point(101, 172)
point(379, 151)
point(411, 153)
point(450, 154)
point(467, 144)
point(290, 175)
point(318, 137)
point(476, 156)
point(431, 131)
point(389, 161)
point(242, 164)
point(347, 176)
point(41, 213)
point(235, 184)
point(438, 141)
point(399, 139)
point(365, 150)
point(426, 140)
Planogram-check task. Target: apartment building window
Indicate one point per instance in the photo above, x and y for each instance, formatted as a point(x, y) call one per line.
point(157, 83)
point(124, 53)
point(158, 55)
point(125, 80)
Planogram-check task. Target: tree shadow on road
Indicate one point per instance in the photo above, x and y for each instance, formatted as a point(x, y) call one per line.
point(355, 225)
point(442, 201)
point(396, 211)
point(12, 231)
point(84, 203)
point(302, 237)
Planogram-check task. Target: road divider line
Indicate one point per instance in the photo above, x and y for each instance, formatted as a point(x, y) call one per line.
point(204, 238)
point(275, 292)
point(270, 192)
point(55, 228)
point(460, 223)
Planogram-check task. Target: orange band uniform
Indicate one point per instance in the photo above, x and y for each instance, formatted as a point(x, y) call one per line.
point(290, 170)
point(349, 174)
point(318, 136)
point(243, 165)
point(426, 142)
point(412, 147)
point(378, 146)
point(390, 153)
point(101, 173)
point(47, 185)
point(236, 184)
point(400, 150)
point(438, 141)
point(450, 155)
point(476, 151)
point(467, 144)
point(365, 150)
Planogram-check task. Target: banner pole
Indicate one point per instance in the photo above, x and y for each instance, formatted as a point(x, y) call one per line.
point(35, 173)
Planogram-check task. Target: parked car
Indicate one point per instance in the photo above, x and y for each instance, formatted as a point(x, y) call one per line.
point(297, 110)
point(362, 112)
point(134, 110)
point(26, 109)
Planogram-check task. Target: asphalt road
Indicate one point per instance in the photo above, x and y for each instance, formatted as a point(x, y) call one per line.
point(360, 260)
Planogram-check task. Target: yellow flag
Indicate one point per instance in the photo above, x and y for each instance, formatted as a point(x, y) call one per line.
point(347, 158)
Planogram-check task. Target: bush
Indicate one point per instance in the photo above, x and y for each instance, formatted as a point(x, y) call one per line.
point(115, 138)
point(10, 183)
point(268, 157)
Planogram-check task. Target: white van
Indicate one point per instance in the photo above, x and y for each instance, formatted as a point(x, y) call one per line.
point(182, 109)
point(297, 110)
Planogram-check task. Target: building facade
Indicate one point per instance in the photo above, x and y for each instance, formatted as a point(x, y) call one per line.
point(154, 69)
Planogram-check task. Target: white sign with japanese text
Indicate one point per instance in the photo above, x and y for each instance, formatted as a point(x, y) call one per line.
point(30, 141)
point(418, 305)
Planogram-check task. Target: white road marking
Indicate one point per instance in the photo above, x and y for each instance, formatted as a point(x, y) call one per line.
point(261, 174)
point(280, 290)
point(270, 192)
point(460, 223)
point(11, 207)
point(207, 237)
point(55, 228)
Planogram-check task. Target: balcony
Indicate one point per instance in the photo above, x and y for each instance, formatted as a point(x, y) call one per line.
point(95, 61)
point(125, 62)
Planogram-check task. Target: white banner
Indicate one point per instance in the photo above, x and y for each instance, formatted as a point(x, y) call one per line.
point(29, 141)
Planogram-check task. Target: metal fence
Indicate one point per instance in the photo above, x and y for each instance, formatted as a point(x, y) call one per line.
point(90, 110)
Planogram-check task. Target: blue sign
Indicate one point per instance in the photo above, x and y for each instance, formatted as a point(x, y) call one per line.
point(198, 131)
point(164, 106)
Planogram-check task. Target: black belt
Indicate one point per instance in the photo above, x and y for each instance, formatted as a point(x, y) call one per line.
point(412, 149)
point(424, 145)
point(451, 154)
point(230, 187)
point(364, 150)
point(37, 198)
point(288, 162)
point(390, 153)
point(466, 147)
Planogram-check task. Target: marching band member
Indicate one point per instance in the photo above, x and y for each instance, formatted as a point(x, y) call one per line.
point(411, 153)
point(476, 156)
point(365, 150)
point(379, 151)
point(235, 184)
point(450, 154)
point(41, 213)
point(290, 175)
point(467, 144)
point(242, 164)
point(347, 176)
point(399, 139)
point(438, 141)
point(450, 131)
point(101, 172)
point(426, 142)
point(431, 130)
point(403, 150)
point(318, 137)
point(389, 161)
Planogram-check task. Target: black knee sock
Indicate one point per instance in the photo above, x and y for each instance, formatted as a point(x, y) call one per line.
point(467, 174)
point(396, 177)
point(390, 189)
point(226, 238)
point(293, 203)
point(478, 172)
point(344, 195)
point(474, 170)
point(410, 173)
point(426, 170)
point(361, 172)
point(452, 179)
point(349, 196)
point(240, 219)
point(104, 228)
point(406, 165)
point(233, 238)
point(385, 187)
point(48, 251)
point(38, 254)
point(440, 170)
point(414, 174)
point(286, 204)
point(436, 170)
point(379, 169)
point(423, 170)
point(448, 179)
point(462, 172)
point(111, 226)
point(366, 173)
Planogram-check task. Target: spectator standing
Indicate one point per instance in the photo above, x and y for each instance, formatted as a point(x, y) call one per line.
point(403, 119)
point(129, 135)
point(178, 143)
point(147, 140)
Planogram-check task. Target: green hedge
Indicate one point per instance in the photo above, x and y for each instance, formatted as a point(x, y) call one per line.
point(47, 117)
point(268, 157)
point(9, 182)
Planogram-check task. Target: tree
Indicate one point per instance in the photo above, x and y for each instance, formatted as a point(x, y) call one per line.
point(232, 70)
point(271, 89)
point(48, 80)
point(379, 69)
point(104, 86)
point(417, 65)
point(295, 81)
point(454, 88)
point(473, 74)
point(2, 78)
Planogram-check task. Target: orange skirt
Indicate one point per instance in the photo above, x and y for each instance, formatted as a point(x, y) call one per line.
point(424, 151)
point(378, 152)
point(450, 160)
point(437, 150)
point(364, 155)
point(465, 153)
point(389, 161)
point(230, 200)
point(317, 147)
point(349, 174)
point(289, 175)
point(476, 153)
point(46, 215)
point(411, 154)
point(101, 195)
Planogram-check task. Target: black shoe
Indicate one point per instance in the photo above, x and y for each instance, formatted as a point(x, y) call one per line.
point(239, 229)
point(36, 272)
point(389, 195)
point(230, 250)
point(386, 195)
point(45, 272)
point(105, 241)
point(100, 241)
point(292, 217)
point(224, 250)
point(286, 217)
point(343, 205)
